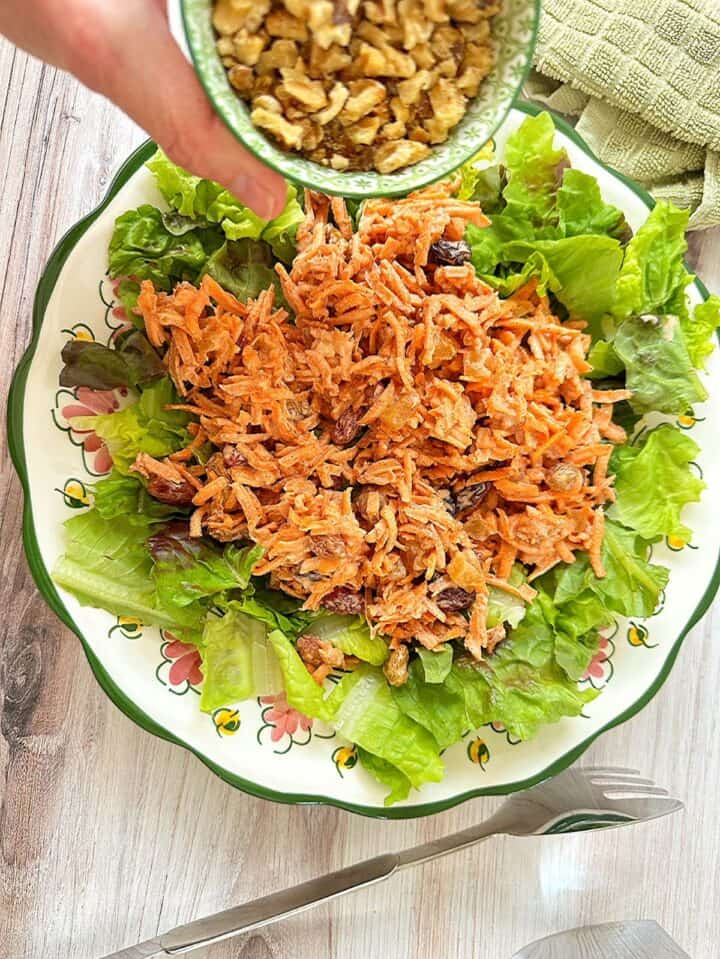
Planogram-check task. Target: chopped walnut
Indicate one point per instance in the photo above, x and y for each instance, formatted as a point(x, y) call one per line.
point(357, 84)
point(282, 24)
point(338, 98)
point(448, 108)
point(289, 134)
point(308, 93)
point(398, 154)
point(364, 131)
point(364, 95)
point(316, 652)
point(281, 54)
point(241, 78)
point(247, 49)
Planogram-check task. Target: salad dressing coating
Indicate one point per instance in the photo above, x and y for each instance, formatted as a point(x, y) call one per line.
point(406, 437)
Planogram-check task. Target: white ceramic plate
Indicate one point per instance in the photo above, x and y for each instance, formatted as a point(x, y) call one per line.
point(260, 746)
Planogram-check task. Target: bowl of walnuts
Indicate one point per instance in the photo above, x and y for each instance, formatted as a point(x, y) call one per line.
point(362, 97)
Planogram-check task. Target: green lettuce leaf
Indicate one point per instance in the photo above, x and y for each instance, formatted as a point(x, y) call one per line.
point(194, 197)
point(654, 482)
point(144, 427)
point(534, 171)
point(187, 569)
point(700, 329)
point(632, 586)
point(270, 607)
point(127, 292)
point(387, 775)
point(142, 248)
point(582, 210)
point(367, 713)
point(124, 497)
point(245, 268)
point(481, 180)
point(301, 690)
point(237, 661)
point(659, 370)
point(503, 607)
point(352, 635)
point(437, 707)
point(584, 270)
point(436, 663)
point(604, 360)
point(526, 697)
point(106, 564)
point(132, 362)
point(653, 273)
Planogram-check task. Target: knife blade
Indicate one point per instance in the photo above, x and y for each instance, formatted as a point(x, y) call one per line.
point(636, 939)
point(150, 949)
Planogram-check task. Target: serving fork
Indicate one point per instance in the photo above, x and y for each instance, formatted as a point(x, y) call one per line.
point(593, 797)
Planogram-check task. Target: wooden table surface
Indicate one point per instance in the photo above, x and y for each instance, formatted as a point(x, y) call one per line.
point(108, 835)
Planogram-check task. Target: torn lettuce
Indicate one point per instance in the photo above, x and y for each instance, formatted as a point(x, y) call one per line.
point(238, 662)
point(194, 197)
point(655, 481)
point(352, 635)
point(550, 223)
point(658, 368)
point(146, 426)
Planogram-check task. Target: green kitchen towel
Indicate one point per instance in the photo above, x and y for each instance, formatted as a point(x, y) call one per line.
point(642, 80)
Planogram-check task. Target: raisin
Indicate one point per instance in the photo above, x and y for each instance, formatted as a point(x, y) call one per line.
point(344, 600)
point(328, 545)
point(396, 666)
point(469, 497)
point(454, 599)
point(449, 253)
point(346, 428)
point(232, 456)
point(565, 478)
point(178, 493)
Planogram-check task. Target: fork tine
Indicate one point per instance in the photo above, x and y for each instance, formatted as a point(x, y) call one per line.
point(609, 770)
point(630, 791)
point(611, 779)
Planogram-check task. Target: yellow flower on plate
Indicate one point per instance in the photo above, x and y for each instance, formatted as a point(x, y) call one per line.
point(227, 721)
point(478, 752)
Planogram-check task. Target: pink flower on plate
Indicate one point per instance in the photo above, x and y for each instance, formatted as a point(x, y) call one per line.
point(283, 718)
point(185, 662)
point(600, 668)
point(91, 403)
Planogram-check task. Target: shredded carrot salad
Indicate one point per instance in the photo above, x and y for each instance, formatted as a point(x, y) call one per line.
point(405, 438)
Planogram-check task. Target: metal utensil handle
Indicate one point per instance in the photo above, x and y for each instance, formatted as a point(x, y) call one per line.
point(279, 905)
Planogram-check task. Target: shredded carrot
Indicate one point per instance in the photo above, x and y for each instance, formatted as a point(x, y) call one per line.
point(394, 445)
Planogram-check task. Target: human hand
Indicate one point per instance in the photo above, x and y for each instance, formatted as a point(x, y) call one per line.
point(124, 50)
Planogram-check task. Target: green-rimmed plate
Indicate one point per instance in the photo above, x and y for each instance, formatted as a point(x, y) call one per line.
point(515, 32)
point(261, 746)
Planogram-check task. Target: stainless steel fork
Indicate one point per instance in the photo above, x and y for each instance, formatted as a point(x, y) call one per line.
point(594, 797)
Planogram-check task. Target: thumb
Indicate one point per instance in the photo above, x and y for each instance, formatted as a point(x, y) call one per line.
point(150, 79)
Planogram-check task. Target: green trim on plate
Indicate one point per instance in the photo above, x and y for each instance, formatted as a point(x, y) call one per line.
point(41, 575)
point(516, 30)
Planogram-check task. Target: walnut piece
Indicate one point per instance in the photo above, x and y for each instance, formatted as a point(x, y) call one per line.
point(398, 154)
point(357, 84)
point(289, 134)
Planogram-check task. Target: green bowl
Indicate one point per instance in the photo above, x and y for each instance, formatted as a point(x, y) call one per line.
point(515, 31)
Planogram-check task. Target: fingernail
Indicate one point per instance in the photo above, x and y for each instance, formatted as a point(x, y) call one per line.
point(263, 201)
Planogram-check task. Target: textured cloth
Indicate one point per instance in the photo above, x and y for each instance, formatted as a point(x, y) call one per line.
point(642, 80)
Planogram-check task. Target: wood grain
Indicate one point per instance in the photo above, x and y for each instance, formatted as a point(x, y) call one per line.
point(108, 835)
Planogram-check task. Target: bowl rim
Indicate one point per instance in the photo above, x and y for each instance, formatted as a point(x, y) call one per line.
point(204, 60)
point(41, 575)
